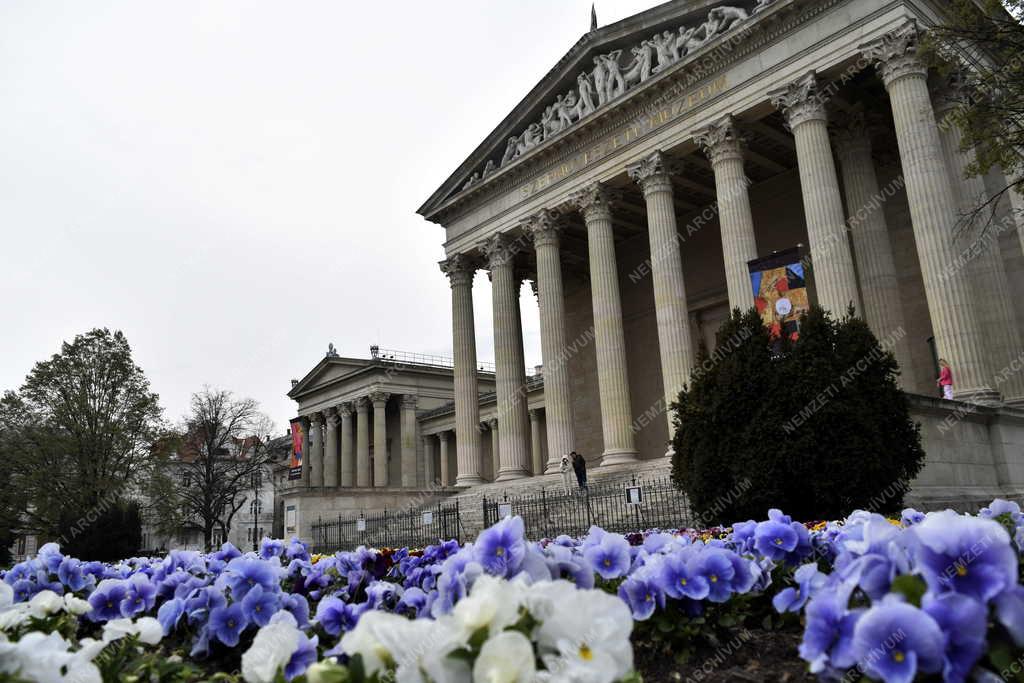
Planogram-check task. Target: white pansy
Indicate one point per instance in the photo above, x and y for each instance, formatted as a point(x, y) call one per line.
point(271, 649)
point(76, 606)
point(14, 616)
point(44, 603)
point(6, 595)
point(368, 639)
point(149, 630)
point(493, 603)
point(115, 629)
point(544, 598)
point(505, 658)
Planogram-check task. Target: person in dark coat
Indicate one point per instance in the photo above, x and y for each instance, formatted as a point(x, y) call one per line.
point(579, 466)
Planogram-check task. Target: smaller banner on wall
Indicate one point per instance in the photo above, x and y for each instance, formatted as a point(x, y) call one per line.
point(780, 291)
point(296, 464)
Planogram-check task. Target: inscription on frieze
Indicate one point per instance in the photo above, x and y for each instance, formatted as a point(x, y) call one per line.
point(641, 126)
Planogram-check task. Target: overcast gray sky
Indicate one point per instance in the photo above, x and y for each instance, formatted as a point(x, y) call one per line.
point(234, 183)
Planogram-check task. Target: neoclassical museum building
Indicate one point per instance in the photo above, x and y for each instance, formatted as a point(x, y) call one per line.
point(632, 186)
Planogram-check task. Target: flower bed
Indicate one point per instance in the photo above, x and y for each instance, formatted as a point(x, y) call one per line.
point(928, 597)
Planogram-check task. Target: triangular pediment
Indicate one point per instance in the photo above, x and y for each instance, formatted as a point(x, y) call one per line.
point(602, 67)
point(329, 369)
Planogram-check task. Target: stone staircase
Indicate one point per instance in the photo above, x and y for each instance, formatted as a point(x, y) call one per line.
point(471, 500)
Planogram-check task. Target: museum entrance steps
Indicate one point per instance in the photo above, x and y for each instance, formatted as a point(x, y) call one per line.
point(547, 511)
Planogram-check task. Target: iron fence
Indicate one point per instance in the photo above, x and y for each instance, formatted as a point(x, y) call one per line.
point(411, 528)
point(620, 506)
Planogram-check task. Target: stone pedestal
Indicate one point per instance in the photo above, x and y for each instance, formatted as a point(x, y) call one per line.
point(670, 309)
point(460, 270)
point(831, 261)
point(932, 210)
point(610, 346)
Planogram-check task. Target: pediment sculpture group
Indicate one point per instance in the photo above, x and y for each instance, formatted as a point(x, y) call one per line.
point(609, 79)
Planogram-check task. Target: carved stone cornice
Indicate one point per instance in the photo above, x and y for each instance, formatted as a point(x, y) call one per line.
point(895, 54)
point(499, 250)
point(721, 141)
point(800, 101)
point(378, 397)
point(595, 202)
point(544, 228)
point(460, 269)
point(654, 173)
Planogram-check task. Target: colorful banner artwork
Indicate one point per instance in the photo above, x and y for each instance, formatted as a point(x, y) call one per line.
point(297, 438)
point(780, 291)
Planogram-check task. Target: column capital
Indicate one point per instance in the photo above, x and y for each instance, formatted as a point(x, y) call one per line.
point(721, 141)
point(951, 95)
point(362, 404)
point(499, 250)
point(443, 436)
point(595, 201)
point(316, 419)
point(378, 397)
point(544, 228)
point(851, 134)
point(654, 173)
point(534, 414)
point(345, 409)
point(800, 101)
point(492, 423)
point(460, 269)
point(409, 401)
point(895, 54)
point(332, 418)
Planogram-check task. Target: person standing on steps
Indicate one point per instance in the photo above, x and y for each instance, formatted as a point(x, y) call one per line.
point(579, 465)
point(945, 380)
point(564, 468)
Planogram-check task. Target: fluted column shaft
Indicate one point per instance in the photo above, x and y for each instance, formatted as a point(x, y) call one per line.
point(380, 439)
point(492, 425)
point(409, 440)
point(364, 477)
point(724, 150)
point(348, 464)
point(545, 230)
point(609, 336)
point(831, 260)
point(331, 448)
point(510, 368)
point(460, 271)
point(985, 271)
point(932, 211)
point(316, 444)
point(428, 461)
point(535, 442)
point(307, 452)
point(443, 437)
point(670, 309)
point(1017, 207)
point(870, 235)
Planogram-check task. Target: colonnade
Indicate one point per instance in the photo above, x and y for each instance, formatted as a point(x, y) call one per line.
point(849, 245)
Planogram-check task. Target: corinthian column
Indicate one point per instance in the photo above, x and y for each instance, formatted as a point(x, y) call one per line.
point(724, 149)
point(595, 203)
point(545, 228)
point(932, 209)
point(331, 448)
point(670, 311)
point(380, 438)
point(443, 437)
point(409, 440)
point(428, 461)
point(535, 442)
point(307, 452)
point(492, 425)
point(348, 465)
point(460, 270)
point(832, 263)
point(510, 368)
point(870, 234)
point(363, 474)
point(980, 248)
point(316, 443)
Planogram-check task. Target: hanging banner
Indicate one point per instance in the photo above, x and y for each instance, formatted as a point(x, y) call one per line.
point(780, 291)
point(298, 435)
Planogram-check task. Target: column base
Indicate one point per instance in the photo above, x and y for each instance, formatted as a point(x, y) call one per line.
point(466, 480)
point(1016, 402)
point(509, 475)
point(984, 396)
point(618, 457)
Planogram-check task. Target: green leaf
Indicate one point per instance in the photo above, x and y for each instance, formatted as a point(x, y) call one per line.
point(911, 587)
